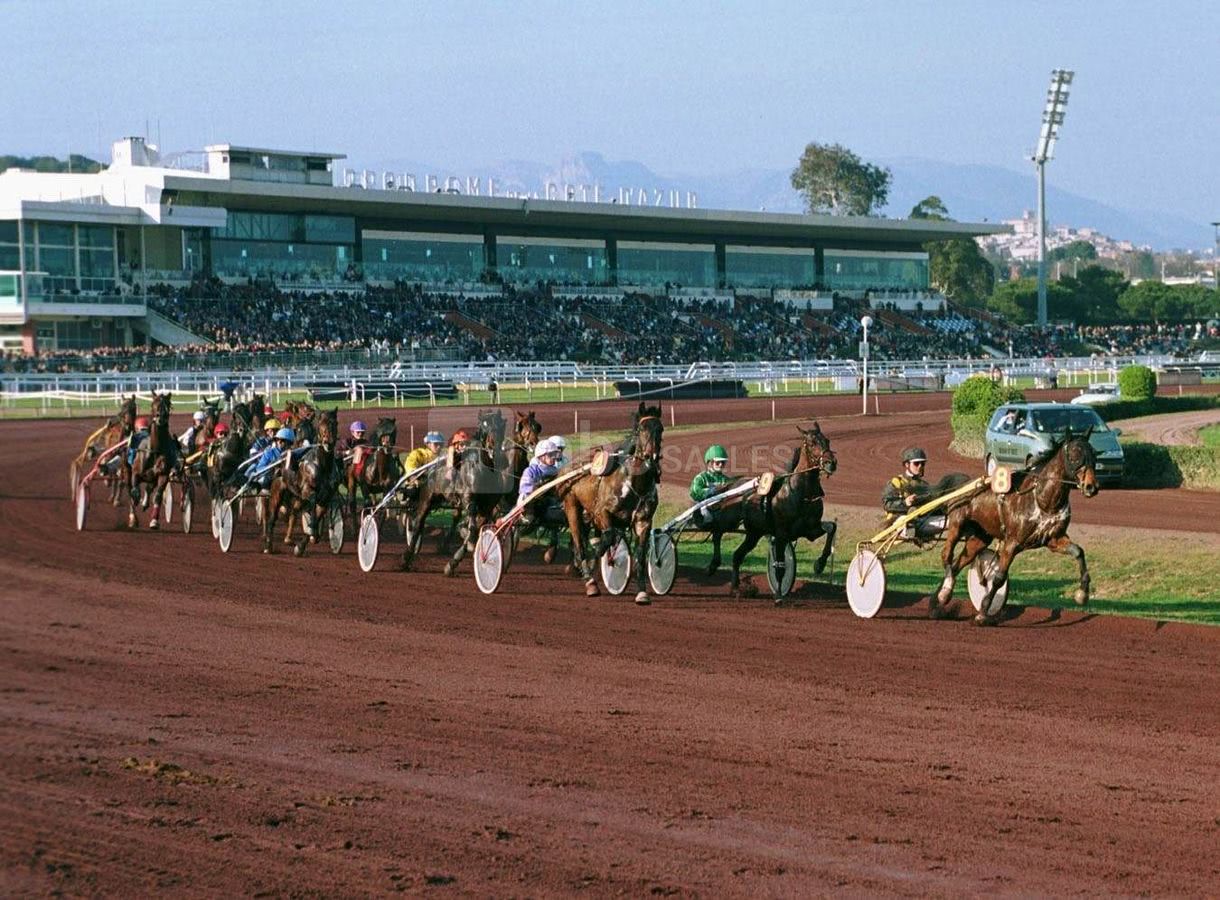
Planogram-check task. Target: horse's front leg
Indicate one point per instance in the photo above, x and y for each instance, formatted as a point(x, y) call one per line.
point(1064, 544)
point(468, 534)
point(944, 596)
point(290, 513)
point(715, 563)
point(829, 530)
point(641, 527)
point(271, 510)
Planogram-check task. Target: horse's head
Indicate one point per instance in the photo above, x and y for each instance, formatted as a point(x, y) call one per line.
point(211, 418)
point(328, 429)
point(161, 406)
point(816, 454)
point(386, 432)
point(646, 432)
point(493, 426)
point(1079, 461)
point(127, 414)
point(527, 430)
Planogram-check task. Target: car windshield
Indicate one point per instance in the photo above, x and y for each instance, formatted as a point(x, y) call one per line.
point(1057, 421)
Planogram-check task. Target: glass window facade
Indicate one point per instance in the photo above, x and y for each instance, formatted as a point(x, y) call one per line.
point(525, 260)
point(769, 267)
point(10, 247)
point(689, 265)
point(284, 246)
point(419, 256)
point(861, 271)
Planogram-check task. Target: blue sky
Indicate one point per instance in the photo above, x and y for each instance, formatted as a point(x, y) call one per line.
point(685, 88)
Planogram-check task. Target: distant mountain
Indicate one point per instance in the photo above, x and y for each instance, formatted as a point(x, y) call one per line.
point(971, 193)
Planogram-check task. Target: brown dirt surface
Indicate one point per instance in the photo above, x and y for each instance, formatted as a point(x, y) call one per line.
point(175, 718)
point(1171, 428)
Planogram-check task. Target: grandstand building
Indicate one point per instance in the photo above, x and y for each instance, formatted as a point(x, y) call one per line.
point(79, 251)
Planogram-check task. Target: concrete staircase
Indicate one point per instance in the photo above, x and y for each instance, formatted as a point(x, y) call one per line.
point(474, 326)
point(168, 332)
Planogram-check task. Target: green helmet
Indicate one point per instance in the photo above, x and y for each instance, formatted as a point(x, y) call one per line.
point(715, 452)
point(914, 454)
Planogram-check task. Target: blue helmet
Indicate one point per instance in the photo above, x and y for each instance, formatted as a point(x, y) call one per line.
point(434, 437)
point(286, 434)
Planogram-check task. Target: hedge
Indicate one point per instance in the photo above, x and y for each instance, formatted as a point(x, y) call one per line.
point(1156, 466)
point(1132, 409)
point(1136, 383)
point(974, 402)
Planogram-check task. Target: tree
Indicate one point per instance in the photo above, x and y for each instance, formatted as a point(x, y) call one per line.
point(1074, 250)
point(1095, 292)
point(1017, 301)
point(834, 180)
point(76, 163)
point(956, 268)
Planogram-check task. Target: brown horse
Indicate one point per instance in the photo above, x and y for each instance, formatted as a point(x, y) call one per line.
point(117, 428)
point(307, 488)
point(624, 498)
point(152, 463)
point(1035, 513)
point(379, 467)
point(795, 509)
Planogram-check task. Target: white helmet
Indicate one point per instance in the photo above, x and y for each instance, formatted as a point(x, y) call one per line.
point(558, 442)
point(199, 415)
point(545, 447)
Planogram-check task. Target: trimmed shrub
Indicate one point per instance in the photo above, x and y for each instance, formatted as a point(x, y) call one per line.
point(1158, 466)
point(1131, 409)
point(974, 402)
point(1137, 383)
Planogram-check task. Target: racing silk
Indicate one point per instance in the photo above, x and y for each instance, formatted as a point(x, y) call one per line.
point(187, 439)
point(350, 443)
point(707, 483)
point(420, 456)
point(893, 497)
point(535, 475)
point(261, 443)
point(137, 439)
point(270, 456)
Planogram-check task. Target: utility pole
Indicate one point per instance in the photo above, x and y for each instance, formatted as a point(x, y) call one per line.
point(1052, 118)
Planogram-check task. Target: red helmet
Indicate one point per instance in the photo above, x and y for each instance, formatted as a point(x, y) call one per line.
point(142, 423)
point(268, 411)
point(461, 436)
point(221, 430)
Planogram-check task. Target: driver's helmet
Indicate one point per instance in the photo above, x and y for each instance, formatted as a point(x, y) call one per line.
point(715, 452)
point(914, 454)
point(286, 434)
point(221, 430)
point(461, 436)
point(357, 428)
point(141, 423)
point(545, 447)
point(434, 437)
point(268, 411)
point(271, 425)
point(198, 416)
point(559, 442)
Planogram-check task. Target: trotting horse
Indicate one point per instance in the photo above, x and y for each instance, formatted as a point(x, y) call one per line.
point(794, 510)
point(626, 497)
point(1035, 513)
point(378, 469)
point(117, 428)
point(152, 463)
point(224, 456)
point(307, 488)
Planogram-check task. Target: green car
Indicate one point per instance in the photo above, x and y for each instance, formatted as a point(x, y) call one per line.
point(1020, 433)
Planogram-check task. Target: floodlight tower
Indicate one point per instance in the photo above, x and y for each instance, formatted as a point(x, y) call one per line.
point(1052, 118)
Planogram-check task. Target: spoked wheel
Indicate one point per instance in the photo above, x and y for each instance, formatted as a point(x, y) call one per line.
point(662, 562)
point(616, 567)
point(216, 505)
point(978, 580)
point(510, 537)
point(368, 542)
point(167, 503)
point(334, 530)
point(866, 584)
point(781, 574)
point(188, 507)
point(73, 479)
point(488, 560)
point(224, 527)
point(82, 506)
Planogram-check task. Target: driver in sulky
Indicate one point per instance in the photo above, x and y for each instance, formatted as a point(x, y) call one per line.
point(906, 491)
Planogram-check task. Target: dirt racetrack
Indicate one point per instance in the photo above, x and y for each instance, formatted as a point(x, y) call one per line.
point(173, 718)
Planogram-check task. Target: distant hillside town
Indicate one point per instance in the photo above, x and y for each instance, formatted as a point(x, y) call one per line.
point(1022, 244)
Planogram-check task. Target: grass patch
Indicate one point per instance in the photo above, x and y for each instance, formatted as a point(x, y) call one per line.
point(1210, 436)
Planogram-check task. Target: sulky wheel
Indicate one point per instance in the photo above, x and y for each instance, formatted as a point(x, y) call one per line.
point(73, 479)
point(978, 582)
point(488, 560)
point(188, 507)
point(82, 505)
point(616, 567)
point(866, 584)
point(167, 503)
point(781, 574)
point(367, 542)
point(334, 527)
point(662, 562)
point(510, 538)
point(224, 527)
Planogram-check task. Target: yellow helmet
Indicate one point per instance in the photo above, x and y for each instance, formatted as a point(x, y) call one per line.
point(272, 423)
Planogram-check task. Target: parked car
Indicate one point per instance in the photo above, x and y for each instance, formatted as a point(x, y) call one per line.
point(1096, 394)
point(1021, 433)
